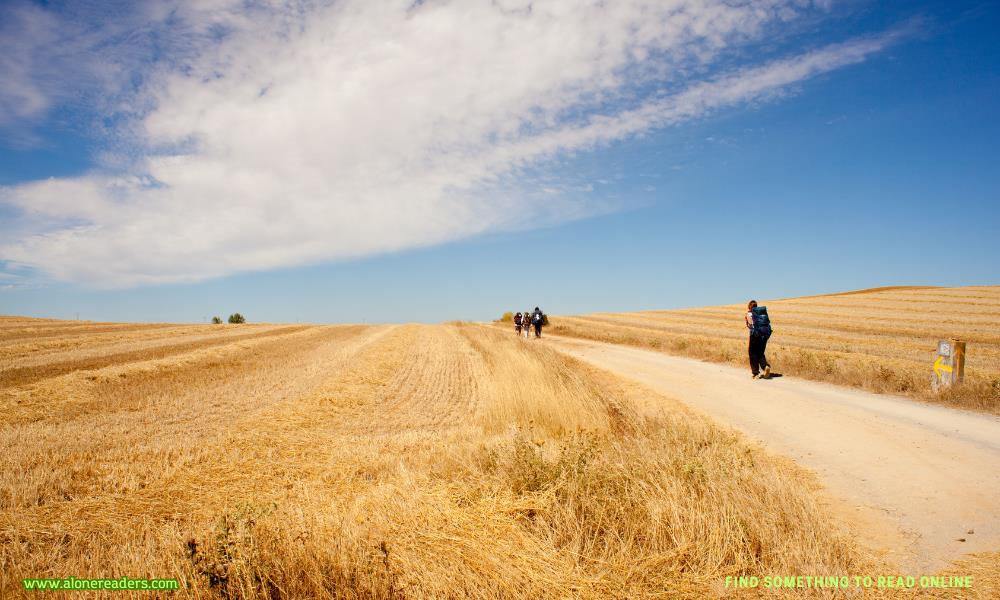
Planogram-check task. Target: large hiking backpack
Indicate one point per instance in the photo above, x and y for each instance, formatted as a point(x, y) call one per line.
point(761, 322)
point(537, 318)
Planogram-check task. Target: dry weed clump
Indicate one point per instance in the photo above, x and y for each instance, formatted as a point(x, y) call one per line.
point(881, 340)
point(406, 462)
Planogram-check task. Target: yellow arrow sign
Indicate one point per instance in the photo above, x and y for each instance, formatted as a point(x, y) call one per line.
point(939, 366)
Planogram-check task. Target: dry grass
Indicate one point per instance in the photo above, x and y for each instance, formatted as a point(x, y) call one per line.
point(392, 462)
point(882, 340)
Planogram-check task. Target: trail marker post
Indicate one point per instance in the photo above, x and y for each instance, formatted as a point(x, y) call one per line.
point(949, 366)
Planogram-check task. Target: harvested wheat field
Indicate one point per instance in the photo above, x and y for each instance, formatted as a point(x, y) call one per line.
point(260, 461)
point(881, 339)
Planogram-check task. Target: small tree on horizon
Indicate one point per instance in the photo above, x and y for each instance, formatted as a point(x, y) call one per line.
point(216, 320)
point(508, 317)
point(236, 318)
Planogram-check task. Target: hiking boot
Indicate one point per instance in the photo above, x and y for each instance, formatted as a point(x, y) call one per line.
point(756, 376)
point(767, 372)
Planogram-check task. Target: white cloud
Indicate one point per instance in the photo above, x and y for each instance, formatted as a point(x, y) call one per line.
point(282, 136)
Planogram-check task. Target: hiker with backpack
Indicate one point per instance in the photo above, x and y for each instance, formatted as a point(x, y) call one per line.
point(536, 319)
point(517, 324)
point(526, 324)
point(759, 325)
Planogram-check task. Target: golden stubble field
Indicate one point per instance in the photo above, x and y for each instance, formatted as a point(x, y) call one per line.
point(882, 340)
point(266, 461)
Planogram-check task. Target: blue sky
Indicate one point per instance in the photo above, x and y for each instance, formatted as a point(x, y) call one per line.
point(792, 152)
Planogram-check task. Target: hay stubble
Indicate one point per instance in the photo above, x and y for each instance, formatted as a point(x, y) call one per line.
point(407, 461)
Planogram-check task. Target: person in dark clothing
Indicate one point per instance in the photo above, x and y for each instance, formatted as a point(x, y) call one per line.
point(536, 319)
point(517, 323)
point(759, 334)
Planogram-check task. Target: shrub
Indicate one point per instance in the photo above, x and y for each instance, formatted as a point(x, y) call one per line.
point(216, 320)
point(508, 317)
point(237, 318)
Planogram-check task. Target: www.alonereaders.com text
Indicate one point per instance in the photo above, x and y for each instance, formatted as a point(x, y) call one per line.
point(121, 583)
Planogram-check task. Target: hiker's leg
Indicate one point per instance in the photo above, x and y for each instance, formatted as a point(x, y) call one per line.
point(758, 354)
point(752, 351)
point(763, 358)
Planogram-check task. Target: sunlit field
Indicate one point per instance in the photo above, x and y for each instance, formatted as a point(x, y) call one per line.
point(882, 340)
point(260, 461)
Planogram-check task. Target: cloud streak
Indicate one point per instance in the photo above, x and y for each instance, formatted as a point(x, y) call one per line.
point(280, 137)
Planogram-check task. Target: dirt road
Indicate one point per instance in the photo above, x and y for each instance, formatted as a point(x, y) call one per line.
point(917, 480)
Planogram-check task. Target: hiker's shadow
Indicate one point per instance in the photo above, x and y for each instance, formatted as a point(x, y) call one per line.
point(774, 375)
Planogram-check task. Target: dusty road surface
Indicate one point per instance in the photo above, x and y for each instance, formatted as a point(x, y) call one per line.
point(919, 481)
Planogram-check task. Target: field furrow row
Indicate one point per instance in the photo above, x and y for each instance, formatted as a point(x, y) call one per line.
point(10, 336)
point(22, 375)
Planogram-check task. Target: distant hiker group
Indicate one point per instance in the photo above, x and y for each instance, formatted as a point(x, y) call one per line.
point(526, 321)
